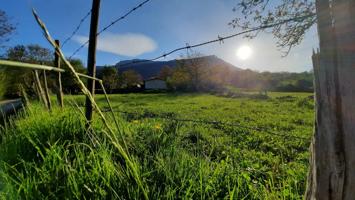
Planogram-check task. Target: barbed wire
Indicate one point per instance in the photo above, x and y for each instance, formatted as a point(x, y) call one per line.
point(200, 121)
point(111, 24)
point(219, 39)
point(77, 28)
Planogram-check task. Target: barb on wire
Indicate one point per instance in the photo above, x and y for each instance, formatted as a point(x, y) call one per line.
point(111, 24)
point(77, 28)
point(199, 121)
point(122, 17)
point(220, 39)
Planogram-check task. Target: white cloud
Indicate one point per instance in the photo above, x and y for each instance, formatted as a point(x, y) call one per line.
point(128, 44)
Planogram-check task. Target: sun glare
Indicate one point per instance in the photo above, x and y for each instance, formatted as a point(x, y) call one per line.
point(244, 52)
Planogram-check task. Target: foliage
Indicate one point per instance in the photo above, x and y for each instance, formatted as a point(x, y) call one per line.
point(196, 68)
point(277, 81)
point(165, 73)
point(198, 74)
point(256, 13)
point(110, 78)
point(16, 77)
point(70, 86)
point(6, 28)
point(131, 79)
point(3, 84)
point(50, 155)
point(180, 79)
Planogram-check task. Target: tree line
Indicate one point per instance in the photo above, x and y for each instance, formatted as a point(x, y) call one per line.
point(196, 74)
point(192, 74)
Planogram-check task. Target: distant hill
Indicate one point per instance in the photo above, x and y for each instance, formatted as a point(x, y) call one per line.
point(152, 68)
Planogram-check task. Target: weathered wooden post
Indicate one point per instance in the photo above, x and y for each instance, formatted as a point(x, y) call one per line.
point(40, 88)
point(332, 171)
point(59, 81)
point(35, 88)
point(92, 56)
point(48, 98)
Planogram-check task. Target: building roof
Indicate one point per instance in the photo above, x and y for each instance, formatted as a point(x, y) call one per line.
point(154, 78)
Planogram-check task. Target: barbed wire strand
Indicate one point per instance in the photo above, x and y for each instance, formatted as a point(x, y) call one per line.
point(77, 28)
point(231, 124)
point(219, 39)
point(111, 24)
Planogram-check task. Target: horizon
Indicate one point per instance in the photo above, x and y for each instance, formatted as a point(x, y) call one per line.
point(115, 65)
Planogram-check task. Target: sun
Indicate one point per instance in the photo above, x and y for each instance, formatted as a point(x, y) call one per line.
point(244, 52)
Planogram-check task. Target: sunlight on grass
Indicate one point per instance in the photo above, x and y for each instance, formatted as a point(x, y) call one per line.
point(51, 155)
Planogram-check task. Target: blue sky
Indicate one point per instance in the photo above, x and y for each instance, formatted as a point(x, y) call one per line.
point(156, 28)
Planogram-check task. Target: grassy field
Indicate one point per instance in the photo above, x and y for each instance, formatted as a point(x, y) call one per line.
point(179, 146)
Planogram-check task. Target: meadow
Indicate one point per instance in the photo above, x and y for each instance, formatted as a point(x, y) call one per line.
point(179, 146)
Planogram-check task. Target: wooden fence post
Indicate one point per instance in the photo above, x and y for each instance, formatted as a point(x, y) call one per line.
point(332, 170)
point(40, 89)
point(48, 98)
point(92, 56)
point(59, 86)
point(35, 87)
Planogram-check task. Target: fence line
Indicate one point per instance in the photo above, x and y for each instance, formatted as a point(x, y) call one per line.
point(220, 39)
point(200, 121)
point(77, 28)
point(40, 67)
point(111, 24)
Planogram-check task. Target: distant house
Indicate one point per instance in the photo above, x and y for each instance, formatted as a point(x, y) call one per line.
point(155, 83)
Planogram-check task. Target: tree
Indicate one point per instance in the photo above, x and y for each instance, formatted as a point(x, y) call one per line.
point(39, 55)
point(19, 78)
point(165, 73)
point(17, 53)
point(110, 78)
point(68, 82)
point(3, 84)
point(256, 13)
point(131, 79)
point(180, 79)
point(6, 28)
point(197, 67)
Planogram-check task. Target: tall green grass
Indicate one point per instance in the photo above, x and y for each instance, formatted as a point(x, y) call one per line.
point(3, 84)
point(50, 155)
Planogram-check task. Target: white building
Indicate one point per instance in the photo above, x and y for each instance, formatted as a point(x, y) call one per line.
point(155, 84)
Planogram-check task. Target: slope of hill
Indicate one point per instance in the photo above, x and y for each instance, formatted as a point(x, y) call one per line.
point(152, 68)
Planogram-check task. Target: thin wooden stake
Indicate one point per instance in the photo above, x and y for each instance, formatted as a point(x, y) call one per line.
point(24, 97)
point(40, 88)
point(48, 98)
point(59, 87)
point(35, 87)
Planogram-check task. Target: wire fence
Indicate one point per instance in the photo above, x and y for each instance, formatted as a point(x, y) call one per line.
point(218, 40)
point(165, 116)
point(110, 25)
point(77, 28)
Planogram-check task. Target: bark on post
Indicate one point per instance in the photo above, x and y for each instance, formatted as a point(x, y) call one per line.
point(46, 90)
point(59, 81)
point(332, 173)
point(92, 56)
